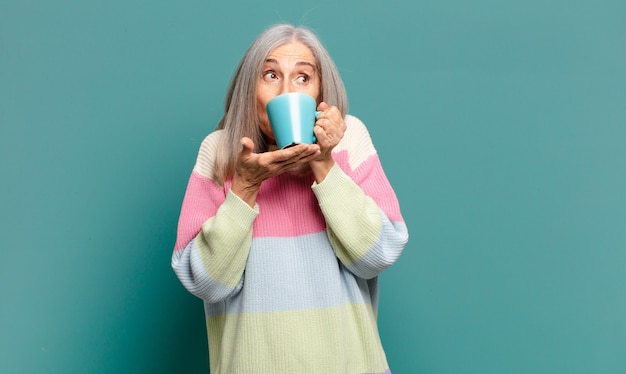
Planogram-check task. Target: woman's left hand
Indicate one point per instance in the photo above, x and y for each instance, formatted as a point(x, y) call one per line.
point(329, 130)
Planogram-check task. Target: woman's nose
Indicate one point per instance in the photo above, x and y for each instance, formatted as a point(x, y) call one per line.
point(287, 87)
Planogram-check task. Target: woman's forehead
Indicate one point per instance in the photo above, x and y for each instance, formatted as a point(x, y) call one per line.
point(294, 52)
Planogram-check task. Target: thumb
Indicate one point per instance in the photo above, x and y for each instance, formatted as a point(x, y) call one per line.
point(323, 106)
point(247, 147)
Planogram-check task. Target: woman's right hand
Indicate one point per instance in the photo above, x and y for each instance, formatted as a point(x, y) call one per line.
point(253, 168)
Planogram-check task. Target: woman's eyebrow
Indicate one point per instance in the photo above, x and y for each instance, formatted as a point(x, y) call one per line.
point(305, 63)
point(299, 63)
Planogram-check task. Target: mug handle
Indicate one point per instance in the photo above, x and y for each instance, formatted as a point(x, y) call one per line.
point(317, 113)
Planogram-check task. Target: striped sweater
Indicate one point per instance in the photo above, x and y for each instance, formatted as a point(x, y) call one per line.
point(291, 285)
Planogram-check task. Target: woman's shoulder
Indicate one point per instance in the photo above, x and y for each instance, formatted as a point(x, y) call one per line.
point(356, 141)
point(205, 162)
point(356, 131)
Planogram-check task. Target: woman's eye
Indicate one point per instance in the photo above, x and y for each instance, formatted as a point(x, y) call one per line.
point(270, 75)
point(303, 78)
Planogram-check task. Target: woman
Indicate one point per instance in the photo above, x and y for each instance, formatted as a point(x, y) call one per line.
point(284, 246)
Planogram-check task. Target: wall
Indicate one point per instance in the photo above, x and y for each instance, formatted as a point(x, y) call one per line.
point(500, 124)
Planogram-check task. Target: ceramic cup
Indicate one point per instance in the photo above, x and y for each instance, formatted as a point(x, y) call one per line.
point(292, 117)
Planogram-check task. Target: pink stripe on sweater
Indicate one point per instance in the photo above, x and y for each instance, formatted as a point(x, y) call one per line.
point(369, 175)
point(295, 210)
point(202, 199)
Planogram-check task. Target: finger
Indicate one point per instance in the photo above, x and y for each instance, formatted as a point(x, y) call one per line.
point(297, 152)
point(320, 134)
point(331, 114)
point(321, 123)
point(311, 152)
point(279, 161)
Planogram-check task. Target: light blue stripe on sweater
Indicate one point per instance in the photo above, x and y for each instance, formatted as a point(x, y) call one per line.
point(284, 274)
point(190, 269)
point(382, 254)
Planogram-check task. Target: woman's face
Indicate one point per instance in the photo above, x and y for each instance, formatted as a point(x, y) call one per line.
point(288, 68)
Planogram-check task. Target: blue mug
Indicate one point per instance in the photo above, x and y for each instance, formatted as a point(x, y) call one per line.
point(292, 117)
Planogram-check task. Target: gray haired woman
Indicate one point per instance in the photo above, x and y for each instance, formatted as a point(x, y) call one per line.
point(285, 246)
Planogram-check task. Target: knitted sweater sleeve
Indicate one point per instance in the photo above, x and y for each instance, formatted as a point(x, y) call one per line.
point(362, 213)
point(214, 233)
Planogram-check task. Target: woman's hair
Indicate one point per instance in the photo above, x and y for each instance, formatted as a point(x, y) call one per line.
point(240, 112)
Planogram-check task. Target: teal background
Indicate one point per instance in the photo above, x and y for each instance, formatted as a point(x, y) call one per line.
point(500, 124)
